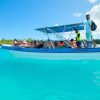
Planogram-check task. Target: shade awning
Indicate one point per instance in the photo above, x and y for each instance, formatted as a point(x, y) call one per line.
point(62, 28)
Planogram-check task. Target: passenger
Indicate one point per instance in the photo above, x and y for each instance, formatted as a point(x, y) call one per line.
point(73, 43)
point(55, 44)
point(24, 43)
point(49, 46)
point(16, 42)
point(32, 44)
point(40, 45)
point(61, 44)
point(35, 44)
point(78, 38)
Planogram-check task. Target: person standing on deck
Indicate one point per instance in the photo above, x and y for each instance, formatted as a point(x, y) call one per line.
point(78, 38)
point(87, 27)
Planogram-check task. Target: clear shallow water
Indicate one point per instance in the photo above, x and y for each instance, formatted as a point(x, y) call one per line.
point(26, 78)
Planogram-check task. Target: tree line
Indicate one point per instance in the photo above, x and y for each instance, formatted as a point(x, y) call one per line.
point(10, 41)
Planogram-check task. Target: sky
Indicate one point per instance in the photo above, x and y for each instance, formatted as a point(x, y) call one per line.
point(20, 18)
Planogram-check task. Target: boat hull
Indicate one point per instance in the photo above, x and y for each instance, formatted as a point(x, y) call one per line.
point(54, 54)
point(57, 50)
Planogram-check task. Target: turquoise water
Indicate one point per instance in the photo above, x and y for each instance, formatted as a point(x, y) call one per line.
point(27, 78)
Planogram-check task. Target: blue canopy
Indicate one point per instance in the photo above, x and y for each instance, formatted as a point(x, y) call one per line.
point(62, 28)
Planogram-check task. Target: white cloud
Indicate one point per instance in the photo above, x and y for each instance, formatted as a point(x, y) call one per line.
point(56, 25)
point(92, 1)
point(95, 16)
point(78, 14)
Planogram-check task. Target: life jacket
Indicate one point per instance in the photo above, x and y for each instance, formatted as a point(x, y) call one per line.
point(78, 37)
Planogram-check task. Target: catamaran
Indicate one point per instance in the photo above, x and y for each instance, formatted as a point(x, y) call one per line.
point(56, 30)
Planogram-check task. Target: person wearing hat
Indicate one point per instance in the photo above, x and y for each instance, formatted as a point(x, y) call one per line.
point(88, 24)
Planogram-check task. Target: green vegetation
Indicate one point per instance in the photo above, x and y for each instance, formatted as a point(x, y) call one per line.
point(10, 42)
point(5, 41)
point(97, 41)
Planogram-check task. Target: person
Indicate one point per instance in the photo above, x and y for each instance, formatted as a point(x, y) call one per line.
point(61, 44)
point(78, 38)
point(16, 42)
point(73, 43)
point(47, 44)
point(88, 24)
point(24, 43)
point(55, 44)
point(40, 44)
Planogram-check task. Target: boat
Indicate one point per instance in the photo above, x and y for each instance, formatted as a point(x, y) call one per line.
point(55, 30)
point(56, 50)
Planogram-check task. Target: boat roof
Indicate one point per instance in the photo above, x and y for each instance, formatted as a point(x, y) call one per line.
point(62, 28)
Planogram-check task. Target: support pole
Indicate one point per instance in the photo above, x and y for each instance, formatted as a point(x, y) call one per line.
point(61, 37)
point(63, 40)
point(50, 40)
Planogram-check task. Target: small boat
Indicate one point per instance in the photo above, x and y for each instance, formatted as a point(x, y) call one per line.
point(54, 54)
point(55, 30)
point(56, 50)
